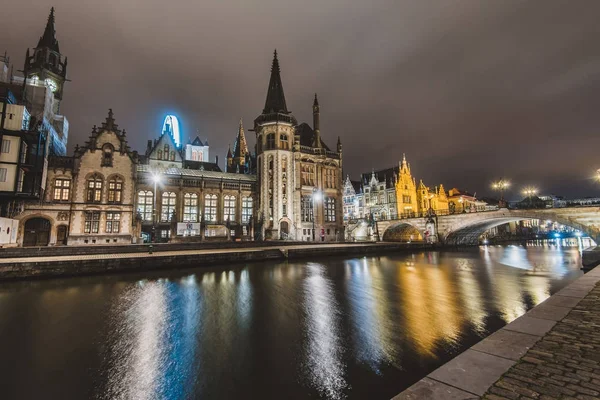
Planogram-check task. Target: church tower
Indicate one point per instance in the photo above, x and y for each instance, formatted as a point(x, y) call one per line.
point(406, 190)
point(46, 64)
point(237, 161)
point(275, 130)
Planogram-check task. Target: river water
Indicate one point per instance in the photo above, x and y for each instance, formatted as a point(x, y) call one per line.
point(333, 328)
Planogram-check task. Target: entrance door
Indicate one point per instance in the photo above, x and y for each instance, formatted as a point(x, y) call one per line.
point(37, 232)
point(61, 235)
point(284, 230)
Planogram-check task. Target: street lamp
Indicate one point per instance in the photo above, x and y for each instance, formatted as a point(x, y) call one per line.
point(529, 192)
point(156, 180)
point(315, 196)
point(501, 185)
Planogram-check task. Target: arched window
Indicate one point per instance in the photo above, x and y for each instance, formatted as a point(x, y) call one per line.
point(94, 189)
point(210, 207)
point(167, 209)
point(172, 155)
point(284, 142)
point(107, 155)
point(62, 189)
point(190, 207)
point(200, 156)
point(145, 202)
point(270, 141)
point(52, 59)
point(115, 190)
point(229, 208)
point(166, 151)
point(194, 155)
point(246, 210)
point(159, 156)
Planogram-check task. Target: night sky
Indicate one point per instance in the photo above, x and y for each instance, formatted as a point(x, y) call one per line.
point(471, 91)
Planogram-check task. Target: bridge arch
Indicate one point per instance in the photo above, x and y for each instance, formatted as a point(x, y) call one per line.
point(467, 230)
point(402, 232)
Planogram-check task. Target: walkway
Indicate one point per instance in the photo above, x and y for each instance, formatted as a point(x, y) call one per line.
point(552, 352)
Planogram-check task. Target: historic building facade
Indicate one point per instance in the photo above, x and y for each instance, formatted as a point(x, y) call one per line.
point(89, 197)
point(299, 176)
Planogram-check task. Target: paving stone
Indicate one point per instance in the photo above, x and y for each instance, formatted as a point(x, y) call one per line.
point(545, 311)
point(507, 344)
point(531, 325)
point(562, 301)
point(577, 293)
point(429, 389)
point(472, 371)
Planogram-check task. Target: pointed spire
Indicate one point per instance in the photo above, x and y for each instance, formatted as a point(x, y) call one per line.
point(316, 124)
point(48, 39)
point(316, 102)
point(275, 98)
point(240, 147)
point(339, 145)
point(94, 131)
point(110, 125)
point(229, 155)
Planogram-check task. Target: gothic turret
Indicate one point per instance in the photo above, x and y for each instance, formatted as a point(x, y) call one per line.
point(275, 106)
point(316, 123)
point(47, 65)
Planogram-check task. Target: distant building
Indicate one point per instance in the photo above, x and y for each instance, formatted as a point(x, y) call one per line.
point(197, 150)
point(462, 201)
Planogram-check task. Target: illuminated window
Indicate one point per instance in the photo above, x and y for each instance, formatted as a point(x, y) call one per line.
point(159, 156)
point(94, 189)
point(190, 207)
point(167, 209)
point(62, 189)
point(166, 151)
point(306, 208)
point(330, 209)
point(284, 142)
point(229, 208)
point(172, 155)
point(210, 207)
point(92, 222)
point(330, 178)
point(145, 202)
point(246, 209)
point(113, 222)
point(195, 155)
point(115, 190)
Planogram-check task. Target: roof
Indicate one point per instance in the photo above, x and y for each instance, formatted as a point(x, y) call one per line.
point(357, 186)
point(198, 142)
point(201, 165)
point(275, 101)
point(48, 39)
point(307, 135)
point(144, 168)
point(385, 175)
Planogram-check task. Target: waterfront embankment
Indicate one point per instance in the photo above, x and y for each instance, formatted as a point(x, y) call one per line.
point(551, 352)
point(60, 262)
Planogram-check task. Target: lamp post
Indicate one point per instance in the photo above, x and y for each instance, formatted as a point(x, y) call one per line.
point(156, 180)
point(529, 192)
point(501, 185)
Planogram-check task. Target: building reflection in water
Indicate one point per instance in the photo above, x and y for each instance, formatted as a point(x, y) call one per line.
point(373, 325)
point(323, 353)
point(431, 309)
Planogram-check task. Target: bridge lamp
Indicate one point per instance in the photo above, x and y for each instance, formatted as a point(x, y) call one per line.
point(501, 185)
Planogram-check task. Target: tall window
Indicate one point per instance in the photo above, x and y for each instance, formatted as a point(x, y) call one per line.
point(308, 174)
point(329, 209)
point(285, 145)
point(210, 207)
point(229, 208)
point(107, 155)
point(246, 210)
point(159, 154)
point(92, 222)
point(94, 189)
point(172, 155)
point(115, 190)
point(166, 151)
point(190, 207)
point(169, 199)
point(113, 222)
point(306, 205)
point(194, 155)
point(145, 202)
point(5, 145)
point(270, 141)
point(62, 189)
point(330, 176)
point(3, 173)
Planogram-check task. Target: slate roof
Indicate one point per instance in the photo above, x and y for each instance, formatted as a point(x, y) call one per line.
point(194, 173)
point(307, 134)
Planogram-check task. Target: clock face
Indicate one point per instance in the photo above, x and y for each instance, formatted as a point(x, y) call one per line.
point(52, 85)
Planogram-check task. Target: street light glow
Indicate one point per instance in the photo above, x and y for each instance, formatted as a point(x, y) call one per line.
point(530, 191)
point(501, 184)
point(155, 177)
point(317, 195)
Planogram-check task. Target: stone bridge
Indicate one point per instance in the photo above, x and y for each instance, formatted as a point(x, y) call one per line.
point(465, 229)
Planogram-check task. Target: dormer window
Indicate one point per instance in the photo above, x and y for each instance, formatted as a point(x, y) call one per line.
point(107, 155)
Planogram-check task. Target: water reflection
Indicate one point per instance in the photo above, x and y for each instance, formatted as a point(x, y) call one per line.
point(343, 328)
point(323, 353)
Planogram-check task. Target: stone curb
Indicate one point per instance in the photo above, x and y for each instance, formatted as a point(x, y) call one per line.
point(470, 374)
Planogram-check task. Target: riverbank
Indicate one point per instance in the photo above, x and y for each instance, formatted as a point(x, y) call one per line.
point(74, 261)
point(551, 351)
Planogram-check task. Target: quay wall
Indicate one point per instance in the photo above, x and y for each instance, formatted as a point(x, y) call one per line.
point(58, 266)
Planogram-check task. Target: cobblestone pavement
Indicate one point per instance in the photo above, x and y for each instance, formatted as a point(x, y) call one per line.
point(564, 364)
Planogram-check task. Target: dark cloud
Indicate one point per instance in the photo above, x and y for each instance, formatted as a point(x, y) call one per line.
point(469, 90)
